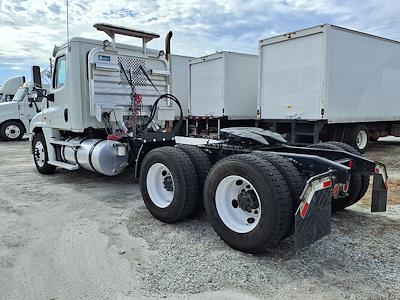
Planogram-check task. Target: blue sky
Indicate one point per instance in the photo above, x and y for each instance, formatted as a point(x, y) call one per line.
point(30, 28)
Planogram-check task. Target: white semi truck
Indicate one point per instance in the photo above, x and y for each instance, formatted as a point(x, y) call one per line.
point(15, 115)
point(109, 107)
point(330, 83)
point(10, 87)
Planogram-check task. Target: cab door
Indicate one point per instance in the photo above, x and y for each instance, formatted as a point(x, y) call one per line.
point(57, 116)
point(30, 107)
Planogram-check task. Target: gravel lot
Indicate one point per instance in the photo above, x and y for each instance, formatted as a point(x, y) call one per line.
point(82, 235)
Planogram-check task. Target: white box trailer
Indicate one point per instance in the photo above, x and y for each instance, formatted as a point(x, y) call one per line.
point(344, 82)
point(223, 85)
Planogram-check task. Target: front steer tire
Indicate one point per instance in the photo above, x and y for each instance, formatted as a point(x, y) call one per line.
point(11, 131)
point(178, 170)
point(276, 206)
point(40, 155)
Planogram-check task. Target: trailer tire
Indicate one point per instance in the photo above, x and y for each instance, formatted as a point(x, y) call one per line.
point(11, 131)
point(292, 176)
point(40, 155)
point(179, 195)
point(355, 183)
point(365, 180)
point(358, 137)
point(267, 197)
point(202, 165)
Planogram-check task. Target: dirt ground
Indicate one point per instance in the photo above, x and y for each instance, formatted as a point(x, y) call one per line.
point(79, 235)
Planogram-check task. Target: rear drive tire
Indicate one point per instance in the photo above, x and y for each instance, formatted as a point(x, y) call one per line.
point(355, 182)
point(364, 179)
point(293, 178)
point(11, 131)
point(247, 202)
point(202, 165)
point(169, 184)
point(40, 155)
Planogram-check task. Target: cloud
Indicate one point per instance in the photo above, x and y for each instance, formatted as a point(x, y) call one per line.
point(29, 29)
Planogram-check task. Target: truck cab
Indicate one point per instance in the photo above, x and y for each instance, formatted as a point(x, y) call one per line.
point(9, 88)
point(15, 115)
point(102, 93)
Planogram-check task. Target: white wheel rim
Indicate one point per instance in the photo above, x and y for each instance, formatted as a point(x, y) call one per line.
point(39, 154)
point(12, 131)
point(362, 139)
point(229, 208)
point(160, 185)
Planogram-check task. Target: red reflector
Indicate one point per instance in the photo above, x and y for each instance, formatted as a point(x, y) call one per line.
point(336, 190)
point(346, 187)
point(327, 184)
point(304, 211)
point(350, 164)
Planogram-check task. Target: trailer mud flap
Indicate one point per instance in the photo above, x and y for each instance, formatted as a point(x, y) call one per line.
point(379, 190)
point(317, 221)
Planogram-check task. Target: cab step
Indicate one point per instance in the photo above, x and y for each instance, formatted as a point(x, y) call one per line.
point(63, 165)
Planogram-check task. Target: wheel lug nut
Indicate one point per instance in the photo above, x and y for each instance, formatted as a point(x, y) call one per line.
point(235, 203)
point(250, 220)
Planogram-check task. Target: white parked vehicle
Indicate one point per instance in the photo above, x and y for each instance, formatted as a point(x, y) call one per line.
point(222, 91)
point(15, 115)
point(10, 87)
point(330, 83)
point(108, 108)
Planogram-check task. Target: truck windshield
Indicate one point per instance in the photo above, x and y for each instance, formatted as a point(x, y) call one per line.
point(20, 95)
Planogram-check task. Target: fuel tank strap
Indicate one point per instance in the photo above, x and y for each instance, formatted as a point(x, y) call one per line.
point(90, 155)
point(76, 153)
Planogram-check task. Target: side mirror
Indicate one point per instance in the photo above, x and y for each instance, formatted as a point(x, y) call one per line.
point(37, 77)
point(32, 96)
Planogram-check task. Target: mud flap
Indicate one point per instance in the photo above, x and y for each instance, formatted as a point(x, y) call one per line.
point(379, 194)
point(316, 223)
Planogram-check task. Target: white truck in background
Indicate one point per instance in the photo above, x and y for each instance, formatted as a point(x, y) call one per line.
point(15, 115)
point(10, 87)
point(330, 83)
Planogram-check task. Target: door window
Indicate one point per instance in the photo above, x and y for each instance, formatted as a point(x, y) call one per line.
point(60, 72)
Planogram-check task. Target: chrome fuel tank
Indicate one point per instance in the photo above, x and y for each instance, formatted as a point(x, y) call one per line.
point(106, 157)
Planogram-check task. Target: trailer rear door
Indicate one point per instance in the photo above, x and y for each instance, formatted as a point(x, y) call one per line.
point(207, 86)
point(291, 77)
